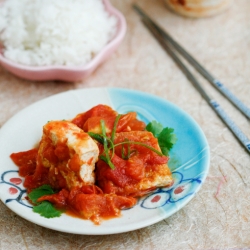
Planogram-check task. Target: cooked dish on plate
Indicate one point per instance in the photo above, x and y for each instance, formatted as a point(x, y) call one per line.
point(95, 164)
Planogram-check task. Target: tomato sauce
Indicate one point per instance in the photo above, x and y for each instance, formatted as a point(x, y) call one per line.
point(114, 189)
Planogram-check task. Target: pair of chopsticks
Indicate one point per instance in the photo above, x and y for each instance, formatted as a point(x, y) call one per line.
point(170, 45)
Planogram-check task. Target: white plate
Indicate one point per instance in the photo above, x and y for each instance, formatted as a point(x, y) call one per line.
point(189, 157)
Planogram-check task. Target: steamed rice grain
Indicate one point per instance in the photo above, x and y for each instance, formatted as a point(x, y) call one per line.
point(54, 32)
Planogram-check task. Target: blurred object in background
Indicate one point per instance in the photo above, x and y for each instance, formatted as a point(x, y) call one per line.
point(198, 8)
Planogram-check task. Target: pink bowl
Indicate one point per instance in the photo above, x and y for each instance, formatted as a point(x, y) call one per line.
point(69, 73)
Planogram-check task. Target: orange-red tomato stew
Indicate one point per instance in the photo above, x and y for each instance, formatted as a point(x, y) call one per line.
point(97, 164)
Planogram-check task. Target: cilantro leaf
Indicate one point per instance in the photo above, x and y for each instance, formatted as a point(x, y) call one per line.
point(39, 192)
point(155, 128)
point(47, 210)
point(166, 140)
point(44, 208)
point(165, 136)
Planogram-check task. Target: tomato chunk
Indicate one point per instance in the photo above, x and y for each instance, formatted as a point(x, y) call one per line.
point(26, 161)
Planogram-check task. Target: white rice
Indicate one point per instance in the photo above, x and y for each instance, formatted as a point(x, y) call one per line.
point(54, 32)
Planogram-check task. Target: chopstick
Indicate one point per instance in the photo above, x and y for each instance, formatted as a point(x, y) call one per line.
point(213, 104)
point(205, 73)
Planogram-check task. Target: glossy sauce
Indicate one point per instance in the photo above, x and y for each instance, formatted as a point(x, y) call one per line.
point(114, 189)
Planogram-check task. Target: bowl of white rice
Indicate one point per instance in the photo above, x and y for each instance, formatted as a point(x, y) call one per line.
point(43, 40)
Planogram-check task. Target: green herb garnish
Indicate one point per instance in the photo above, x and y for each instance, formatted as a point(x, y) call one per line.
point(36, 193)
point(106, 157)
point(96, 137)
point(155, 128)
point(166, 139)
point(129, 151)
point(114, 128)
point(47, 210)
point(141, 144)
point(44, 208)
point(165, 136)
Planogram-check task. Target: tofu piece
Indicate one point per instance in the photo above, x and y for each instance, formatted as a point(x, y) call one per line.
point(69, 153)
point(138, 174)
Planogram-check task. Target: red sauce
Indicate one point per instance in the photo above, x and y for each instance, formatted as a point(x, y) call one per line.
point(26, 161)
point(103, 111)
point(62, 152)
point(128, 173)
point(75, 163)
point(115, 189)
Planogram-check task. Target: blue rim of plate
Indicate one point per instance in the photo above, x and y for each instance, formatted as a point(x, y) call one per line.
point(189, 159)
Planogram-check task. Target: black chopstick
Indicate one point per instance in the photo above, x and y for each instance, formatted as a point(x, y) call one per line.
point(206, 74)
point(215, 105)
